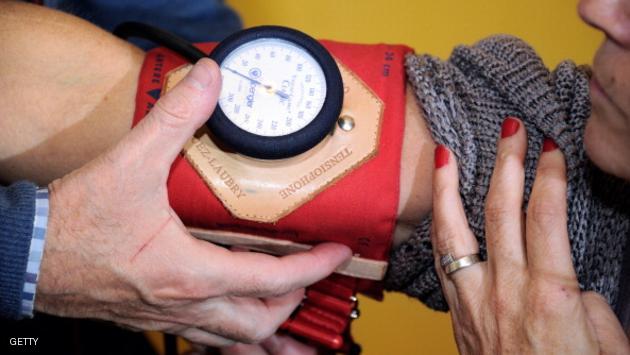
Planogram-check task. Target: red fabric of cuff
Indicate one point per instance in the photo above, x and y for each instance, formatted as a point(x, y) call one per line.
point(359, 210)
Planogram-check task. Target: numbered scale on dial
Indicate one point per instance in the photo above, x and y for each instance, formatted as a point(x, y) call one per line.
point(281, 93)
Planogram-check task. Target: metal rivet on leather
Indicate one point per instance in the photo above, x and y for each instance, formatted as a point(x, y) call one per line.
point(346, 123)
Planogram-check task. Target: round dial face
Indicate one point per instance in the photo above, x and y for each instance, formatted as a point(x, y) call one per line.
point(271, 87)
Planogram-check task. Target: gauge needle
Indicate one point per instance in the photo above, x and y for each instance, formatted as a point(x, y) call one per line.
point(268, 87)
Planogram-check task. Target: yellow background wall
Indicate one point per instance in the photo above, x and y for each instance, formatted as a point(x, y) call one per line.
point(400, 325)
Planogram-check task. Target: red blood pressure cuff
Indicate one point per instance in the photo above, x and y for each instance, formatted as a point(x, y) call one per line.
point(358, 210)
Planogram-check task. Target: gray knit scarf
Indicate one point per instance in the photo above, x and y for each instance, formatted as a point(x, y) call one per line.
point(465, 100)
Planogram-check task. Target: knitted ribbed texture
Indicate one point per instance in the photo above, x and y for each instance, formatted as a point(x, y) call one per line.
point(465, 100)
point(17, 210)
point(623, 300)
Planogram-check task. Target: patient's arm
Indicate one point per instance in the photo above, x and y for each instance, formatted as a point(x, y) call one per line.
point(67, 92)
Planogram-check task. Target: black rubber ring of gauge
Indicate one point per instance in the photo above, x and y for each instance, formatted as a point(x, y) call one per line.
point(267, 147)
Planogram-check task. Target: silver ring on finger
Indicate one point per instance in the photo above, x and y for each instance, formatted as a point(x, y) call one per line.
point(450, 265)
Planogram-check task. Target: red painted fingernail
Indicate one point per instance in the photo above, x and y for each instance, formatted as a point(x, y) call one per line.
point(549, 145)
point(441, 156)
point(509, 127)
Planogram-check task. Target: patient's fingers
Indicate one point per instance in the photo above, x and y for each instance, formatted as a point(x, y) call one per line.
point(504, 203)
point(548, 248)
point(451, 234)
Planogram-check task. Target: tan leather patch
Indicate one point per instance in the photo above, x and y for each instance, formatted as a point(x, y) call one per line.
point(356, 266)
point(266, 190)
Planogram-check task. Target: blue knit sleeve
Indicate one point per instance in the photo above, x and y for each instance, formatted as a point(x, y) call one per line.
point(17, 212)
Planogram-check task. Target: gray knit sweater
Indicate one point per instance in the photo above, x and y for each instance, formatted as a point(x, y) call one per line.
point(465, 99)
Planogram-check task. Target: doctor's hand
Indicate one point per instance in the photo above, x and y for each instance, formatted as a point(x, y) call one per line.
point(525, 297)
point(115, 250)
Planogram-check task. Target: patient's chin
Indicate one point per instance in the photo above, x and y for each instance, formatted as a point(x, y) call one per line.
point(608, 150)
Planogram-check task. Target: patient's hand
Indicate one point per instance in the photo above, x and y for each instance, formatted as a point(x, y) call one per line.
point(115, 250)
